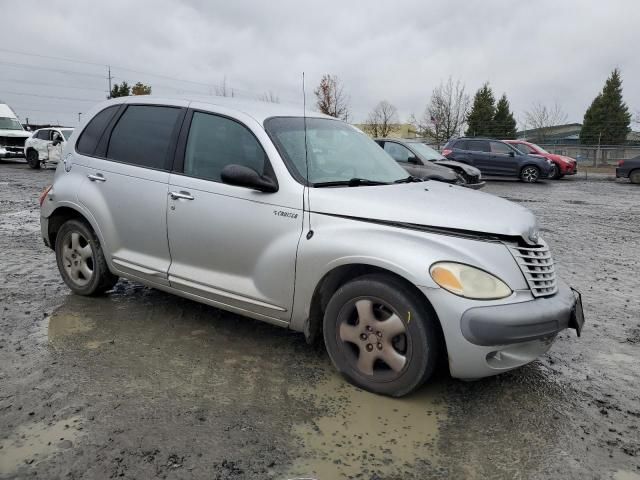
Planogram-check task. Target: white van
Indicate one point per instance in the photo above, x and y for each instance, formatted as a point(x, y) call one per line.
point(12, 135)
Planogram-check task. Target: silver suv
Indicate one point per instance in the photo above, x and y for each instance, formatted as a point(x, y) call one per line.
point(305, 223)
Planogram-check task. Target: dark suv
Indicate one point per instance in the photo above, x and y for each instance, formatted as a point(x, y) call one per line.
point(496, 158)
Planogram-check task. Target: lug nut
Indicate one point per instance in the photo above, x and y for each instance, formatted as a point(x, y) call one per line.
point(369, 347)
point(379, 346)
point(379, 334)
point(363, 336)
point(369, 328)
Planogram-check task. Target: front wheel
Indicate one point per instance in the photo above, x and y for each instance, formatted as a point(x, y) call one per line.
point(33, 159)
point(81, 261)
point(555, 173)
point(380, 335)
point(530, 174)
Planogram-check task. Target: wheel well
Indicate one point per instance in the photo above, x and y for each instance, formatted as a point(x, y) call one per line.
point(337, 277)
point(529, 165)
point(633, 172)
point(59, 217)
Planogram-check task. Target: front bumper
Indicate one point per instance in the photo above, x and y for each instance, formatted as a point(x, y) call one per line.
point(11, 152)
point(488, 338)
point(566, 169)
point(475, 186)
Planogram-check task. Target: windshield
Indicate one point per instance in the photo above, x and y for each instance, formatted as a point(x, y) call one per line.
point(539, 148)
point(7, 123)
point(337, 152)
point(426, 152)
point(67, 132)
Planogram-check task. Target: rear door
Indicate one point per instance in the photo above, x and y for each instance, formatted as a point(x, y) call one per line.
point(479, 154)
point(126, 188)
point(41, 143)
point(503, 159)
point(232, 245)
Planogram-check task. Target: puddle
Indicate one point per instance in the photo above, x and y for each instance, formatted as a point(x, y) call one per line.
point(66, 324)
point(366, 434)
point(625, 475)
point(33, 443)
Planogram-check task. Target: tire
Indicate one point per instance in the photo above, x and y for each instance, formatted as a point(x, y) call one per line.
point(83, 269)
point(555, 173)
point(386, 358)
point(33, 159)
point(530, 174)
point(634, 176)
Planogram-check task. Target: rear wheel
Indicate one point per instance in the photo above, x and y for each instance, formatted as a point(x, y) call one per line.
point(555, 173)
point(634, 176)
point(33, 159)
point(380, 336)
point(81, 261)
point(530, 174)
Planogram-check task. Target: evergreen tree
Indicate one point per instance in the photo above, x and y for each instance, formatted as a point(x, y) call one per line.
point(122, 90)
point(480, 119)
point(607, 120)
point(504, 125)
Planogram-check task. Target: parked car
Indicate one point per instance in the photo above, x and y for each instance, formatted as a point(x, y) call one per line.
point(305, 223)
point(563, 165)
point(424, 162)
point(629, 169)
point(45, 146)
point(12, 134)
point(496, 158)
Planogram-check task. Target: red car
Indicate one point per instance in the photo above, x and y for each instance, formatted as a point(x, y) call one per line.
point(563, 165)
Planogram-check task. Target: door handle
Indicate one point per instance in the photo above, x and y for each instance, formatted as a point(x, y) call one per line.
point(180, 195)
point(98, 177)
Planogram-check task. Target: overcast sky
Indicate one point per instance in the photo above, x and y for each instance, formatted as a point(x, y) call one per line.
point(535, 51)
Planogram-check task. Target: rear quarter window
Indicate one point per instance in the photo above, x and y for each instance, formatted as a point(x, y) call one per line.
point(91, 134)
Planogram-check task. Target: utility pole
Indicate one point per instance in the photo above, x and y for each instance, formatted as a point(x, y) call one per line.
point(598, 151)
point(79, 115)
point(109, 77)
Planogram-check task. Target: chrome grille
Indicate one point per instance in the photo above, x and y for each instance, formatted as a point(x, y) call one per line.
point(537, 266)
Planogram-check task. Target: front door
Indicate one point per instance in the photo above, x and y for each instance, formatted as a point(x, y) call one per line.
point(502, 159)
point(126, 192)
point(232, 245)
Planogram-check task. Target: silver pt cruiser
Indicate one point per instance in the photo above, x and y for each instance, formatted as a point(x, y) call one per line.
point(304, 222)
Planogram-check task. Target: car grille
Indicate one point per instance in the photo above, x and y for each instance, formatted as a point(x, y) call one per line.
point(12, 142)
point(537, 266)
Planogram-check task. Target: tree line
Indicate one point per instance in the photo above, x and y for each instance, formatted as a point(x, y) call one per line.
point(451, 112)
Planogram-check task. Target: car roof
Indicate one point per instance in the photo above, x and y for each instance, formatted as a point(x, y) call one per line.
point(401, 140)
point(259, 110)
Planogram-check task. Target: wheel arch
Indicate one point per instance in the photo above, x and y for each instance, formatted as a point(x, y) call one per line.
point(332, 280)
point(59, 216)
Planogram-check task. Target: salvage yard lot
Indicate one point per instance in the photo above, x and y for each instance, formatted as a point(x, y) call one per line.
point(140, 383)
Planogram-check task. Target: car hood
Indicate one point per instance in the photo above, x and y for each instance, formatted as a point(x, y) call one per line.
point(14, 133)
point(468, 169)
point(427, 204)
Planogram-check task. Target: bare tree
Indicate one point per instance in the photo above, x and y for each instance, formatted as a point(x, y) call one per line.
point(269, 97)
point(331, 99)
point(382, 120)
point(541, 118)
point(445, 115)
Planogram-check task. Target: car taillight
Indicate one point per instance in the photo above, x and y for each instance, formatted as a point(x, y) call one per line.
point(620, 163)
point(446, 151)
point(44, 194)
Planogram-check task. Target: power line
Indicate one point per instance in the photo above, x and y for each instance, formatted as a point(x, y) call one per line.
point(30, 82)
point(38, 67)
point(39, 55)
point(52, 96)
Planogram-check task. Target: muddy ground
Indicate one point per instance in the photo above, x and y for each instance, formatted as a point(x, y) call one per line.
point(142, 384)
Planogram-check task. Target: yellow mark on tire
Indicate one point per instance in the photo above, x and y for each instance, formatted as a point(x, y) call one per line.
point(409, 317)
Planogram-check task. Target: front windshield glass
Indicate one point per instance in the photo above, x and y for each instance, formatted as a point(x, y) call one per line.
point(426, 152)
point(67, 133)
point(337, 152)
point(539, 148)
point(7, 123)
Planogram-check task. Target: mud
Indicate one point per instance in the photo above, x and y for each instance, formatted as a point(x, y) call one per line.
point(142, 384)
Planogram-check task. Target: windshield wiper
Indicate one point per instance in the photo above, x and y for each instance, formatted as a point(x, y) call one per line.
point(409, 179)
point(354, 182)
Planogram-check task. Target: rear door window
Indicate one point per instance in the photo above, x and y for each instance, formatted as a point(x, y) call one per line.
point(90, 136)
point(499, 147)
point(215, 142)
point(143, 135)
point(43, 135)
point(478, 145)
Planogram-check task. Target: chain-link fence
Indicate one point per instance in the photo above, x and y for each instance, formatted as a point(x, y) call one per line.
point(594, 155)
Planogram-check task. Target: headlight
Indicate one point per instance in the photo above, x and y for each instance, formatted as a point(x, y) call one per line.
point(468, 282)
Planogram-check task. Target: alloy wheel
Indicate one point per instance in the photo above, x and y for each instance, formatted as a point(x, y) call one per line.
point(530, 174)
point(375, 338)
point(78, 258)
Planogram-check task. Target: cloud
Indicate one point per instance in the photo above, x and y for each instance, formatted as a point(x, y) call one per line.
point(545, 51)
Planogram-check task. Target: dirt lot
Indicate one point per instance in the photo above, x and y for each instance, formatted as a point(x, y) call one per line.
point(142, 384)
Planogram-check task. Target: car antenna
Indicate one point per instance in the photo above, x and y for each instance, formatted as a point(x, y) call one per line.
point(306, 160)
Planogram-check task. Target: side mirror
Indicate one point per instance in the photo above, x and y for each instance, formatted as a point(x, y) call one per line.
point(512, 154)
point(414, 160)
point(242, 176)
point(56, 141)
